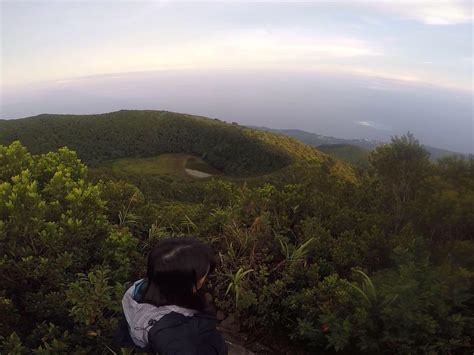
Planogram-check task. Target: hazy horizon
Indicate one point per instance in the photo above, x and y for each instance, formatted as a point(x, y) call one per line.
point(349, 69)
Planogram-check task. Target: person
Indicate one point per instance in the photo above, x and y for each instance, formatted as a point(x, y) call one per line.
point(167, 312)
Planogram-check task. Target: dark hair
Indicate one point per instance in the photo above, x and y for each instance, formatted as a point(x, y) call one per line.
point(174, 267)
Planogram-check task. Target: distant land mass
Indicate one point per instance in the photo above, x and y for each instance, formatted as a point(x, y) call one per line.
point(169, 155)
point(230, 148)
point(349, 150)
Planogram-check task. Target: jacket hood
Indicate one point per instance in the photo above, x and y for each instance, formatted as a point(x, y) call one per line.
point(142, 316)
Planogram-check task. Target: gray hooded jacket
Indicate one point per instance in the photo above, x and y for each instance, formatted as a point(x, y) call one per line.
point(141, 316)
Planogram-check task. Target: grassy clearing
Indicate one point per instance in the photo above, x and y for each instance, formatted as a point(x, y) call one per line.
point(164, 164)
point(157, 173)
point(196, 163)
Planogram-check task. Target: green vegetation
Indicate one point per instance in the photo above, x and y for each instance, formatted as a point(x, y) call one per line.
point(165, 164)
point(149, 148)
point(312, 255)
point(164, 177)
point(350, 150)
point(139, 134)
point(346, 152)
point(196, 163)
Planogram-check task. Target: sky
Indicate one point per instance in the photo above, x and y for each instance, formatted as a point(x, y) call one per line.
point(354, 69)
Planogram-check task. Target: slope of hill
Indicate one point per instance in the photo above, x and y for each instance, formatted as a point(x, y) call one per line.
point(229, 148)
point(353, 147)
point(316, 140)
point(346, 152)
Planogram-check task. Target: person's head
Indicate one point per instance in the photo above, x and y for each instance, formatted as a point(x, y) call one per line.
point(177, 269)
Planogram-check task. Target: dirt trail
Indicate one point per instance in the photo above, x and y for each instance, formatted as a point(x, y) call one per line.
point(197, 173)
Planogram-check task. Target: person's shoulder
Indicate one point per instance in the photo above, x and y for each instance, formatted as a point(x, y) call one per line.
point(179, 334)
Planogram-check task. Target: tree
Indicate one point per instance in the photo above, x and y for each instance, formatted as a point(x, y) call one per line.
point(402, 168)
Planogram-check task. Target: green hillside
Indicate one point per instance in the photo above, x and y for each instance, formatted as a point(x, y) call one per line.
point(353, 150)
point(346, 152)
point(232, 149)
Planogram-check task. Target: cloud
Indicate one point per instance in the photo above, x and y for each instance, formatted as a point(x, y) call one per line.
point(264, 47)
point(375, 125)
point(258, 48)
point(429, 12)
point(393, 75)
point(64, 81)
point(402, 78)
point(378, 87)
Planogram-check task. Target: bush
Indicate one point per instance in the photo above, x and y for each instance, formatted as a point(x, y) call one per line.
point(305, 258)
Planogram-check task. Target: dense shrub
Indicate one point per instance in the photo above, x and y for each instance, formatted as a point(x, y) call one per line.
point(307, 258)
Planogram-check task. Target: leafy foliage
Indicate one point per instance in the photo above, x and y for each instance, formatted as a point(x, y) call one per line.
point(369, 263)
point(53, 227)
point(347, 152)
point(134, 134)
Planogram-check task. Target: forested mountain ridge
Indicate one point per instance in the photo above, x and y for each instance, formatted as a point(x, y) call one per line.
point(131, 134)
point(316, 140)
point(349, 150)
